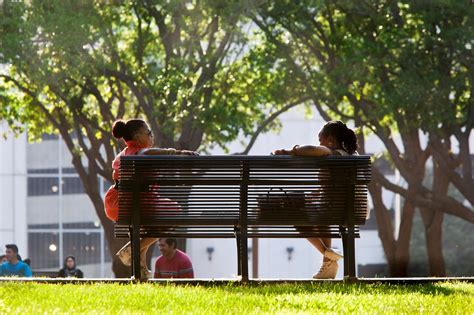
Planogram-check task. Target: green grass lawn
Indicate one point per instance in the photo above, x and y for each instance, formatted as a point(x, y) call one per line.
point(33, 298)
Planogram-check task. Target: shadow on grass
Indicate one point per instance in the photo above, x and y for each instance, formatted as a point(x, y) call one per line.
point(338, 288)
point(358, 288)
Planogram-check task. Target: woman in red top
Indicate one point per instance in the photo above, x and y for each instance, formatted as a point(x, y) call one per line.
point(139, 139)
point(335, 138)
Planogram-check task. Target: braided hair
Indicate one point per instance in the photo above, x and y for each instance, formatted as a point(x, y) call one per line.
point(344, 136)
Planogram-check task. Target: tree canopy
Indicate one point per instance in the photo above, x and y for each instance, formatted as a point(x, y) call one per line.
point(205, 72)
point(394, 68)
point(188, 68)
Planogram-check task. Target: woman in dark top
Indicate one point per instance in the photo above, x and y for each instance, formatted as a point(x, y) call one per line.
point(70, 270)
point(335, 138)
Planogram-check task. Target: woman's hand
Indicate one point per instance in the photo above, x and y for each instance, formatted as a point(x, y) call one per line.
point(187, 152)
point(286, 152)
point(281, 152)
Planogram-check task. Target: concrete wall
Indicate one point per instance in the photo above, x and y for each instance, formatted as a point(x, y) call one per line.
point(76, 208)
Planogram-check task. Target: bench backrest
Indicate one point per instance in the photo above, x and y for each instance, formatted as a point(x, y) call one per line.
point(224, 191)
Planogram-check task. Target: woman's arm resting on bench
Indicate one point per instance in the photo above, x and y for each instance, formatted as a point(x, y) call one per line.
point(170, 151)
point(305, 150)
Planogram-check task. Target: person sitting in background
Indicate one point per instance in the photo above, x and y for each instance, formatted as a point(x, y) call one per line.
point(70, 269)
point(13, 266)
point(3, 258)
point(172, 263)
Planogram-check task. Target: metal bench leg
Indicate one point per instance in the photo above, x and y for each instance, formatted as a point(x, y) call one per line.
point(343, 232)
point(239, 258)
point(348, 243)
point(135, 242)
point(243, 207)
point(351, 252)
point(244, 256)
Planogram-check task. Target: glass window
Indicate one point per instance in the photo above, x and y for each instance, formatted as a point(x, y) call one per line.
point(72, 185)
point(84, 246)
point(43, 186)
point(42, 201)
point(43, 249)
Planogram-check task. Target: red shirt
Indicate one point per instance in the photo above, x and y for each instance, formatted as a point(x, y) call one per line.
point(179, 266)
point(132, 149)
point(111, 199)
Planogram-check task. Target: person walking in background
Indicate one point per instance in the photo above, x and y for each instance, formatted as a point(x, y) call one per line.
point(70, 269)
point(139, 140)
point(335, 138)
point(13, 266)
point(172, 263)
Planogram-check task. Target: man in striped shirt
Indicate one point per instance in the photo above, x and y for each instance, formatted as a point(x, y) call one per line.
point(172, 263)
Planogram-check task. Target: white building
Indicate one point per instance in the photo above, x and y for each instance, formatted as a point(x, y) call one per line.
point(45, 212)
point(13, 222)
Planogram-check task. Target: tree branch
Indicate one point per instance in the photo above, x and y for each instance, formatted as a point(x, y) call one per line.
point(422, 197)
point(268, 121)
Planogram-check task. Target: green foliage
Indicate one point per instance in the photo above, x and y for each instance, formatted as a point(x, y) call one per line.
point(74, 67)
point(402, 62)
point(182, 65)
point(232, 299)
point(392, 67)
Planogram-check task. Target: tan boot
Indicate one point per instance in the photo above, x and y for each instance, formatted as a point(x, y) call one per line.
point(125, 254)
point(145, 273)
point(332, 254)
point(328, 270)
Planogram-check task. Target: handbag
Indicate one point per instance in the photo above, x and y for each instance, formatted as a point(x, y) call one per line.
point(281, 205)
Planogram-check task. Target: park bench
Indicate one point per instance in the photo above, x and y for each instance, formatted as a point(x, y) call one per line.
point(243, 197)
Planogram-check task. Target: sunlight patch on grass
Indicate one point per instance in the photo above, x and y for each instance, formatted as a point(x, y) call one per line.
point(224, 299)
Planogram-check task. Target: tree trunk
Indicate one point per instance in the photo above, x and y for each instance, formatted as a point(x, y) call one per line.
point(384, 223)
point(402, 245)
point(397, 251)
point(119, 269)
point(433, 222)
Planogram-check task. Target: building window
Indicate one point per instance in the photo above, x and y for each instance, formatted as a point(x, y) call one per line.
point(43, 249)
point(47, 186)
point(61, 219)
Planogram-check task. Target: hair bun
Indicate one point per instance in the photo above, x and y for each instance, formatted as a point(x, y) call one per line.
point(119, 129)
point(342, 124)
